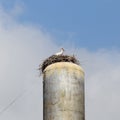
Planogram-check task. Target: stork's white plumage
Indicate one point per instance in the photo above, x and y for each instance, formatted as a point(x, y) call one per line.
point(61, 52)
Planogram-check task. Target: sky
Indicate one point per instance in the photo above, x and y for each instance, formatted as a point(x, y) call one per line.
point(31, 31)
point(91, 24)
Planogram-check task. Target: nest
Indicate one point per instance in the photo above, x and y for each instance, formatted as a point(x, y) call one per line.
point(54, 59)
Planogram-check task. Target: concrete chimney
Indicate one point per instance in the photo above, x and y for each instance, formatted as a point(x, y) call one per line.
point(63, 92)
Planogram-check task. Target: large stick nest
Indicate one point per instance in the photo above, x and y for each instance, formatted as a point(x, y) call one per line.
point(55, 58)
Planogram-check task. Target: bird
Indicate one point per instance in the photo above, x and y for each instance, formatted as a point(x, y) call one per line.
point(61, 52)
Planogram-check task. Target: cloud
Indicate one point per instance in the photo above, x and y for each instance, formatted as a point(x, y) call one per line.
point(24, 47)
point(102, 84)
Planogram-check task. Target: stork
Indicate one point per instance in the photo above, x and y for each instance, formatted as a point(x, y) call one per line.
point(61, 52)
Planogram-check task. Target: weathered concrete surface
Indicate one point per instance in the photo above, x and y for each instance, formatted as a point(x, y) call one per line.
point(63, 92)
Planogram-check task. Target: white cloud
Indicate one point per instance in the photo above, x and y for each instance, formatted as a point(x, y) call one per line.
point(102, 84)
point(23, 47)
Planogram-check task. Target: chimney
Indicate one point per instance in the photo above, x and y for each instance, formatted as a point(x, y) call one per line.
point(63, 91)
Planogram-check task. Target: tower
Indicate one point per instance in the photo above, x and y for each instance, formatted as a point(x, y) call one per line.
point(63, 90)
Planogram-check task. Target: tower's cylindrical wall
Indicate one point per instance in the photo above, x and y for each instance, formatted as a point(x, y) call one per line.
point(63, 92)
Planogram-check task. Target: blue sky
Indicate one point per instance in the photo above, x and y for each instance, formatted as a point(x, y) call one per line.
point(90, 24)
point(31, 31)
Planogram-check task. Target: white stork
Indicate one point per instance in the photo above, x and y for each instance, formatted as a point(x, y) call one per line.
point(61, 52)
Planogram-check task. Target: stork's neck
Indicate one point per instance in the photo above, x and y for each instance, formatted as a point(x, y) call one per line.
point(61, 50)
